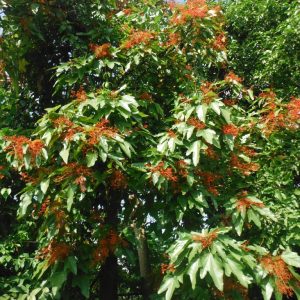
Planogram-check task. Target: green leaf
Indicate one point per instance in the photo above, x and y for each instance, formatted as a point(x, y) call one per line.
point(91, 158)
point(64, 154)
point(226, 114)
point(196, 152)
point(216, 272)
point(267, 291)
point(237, 271)
point(192, 272)
point(71, 264)
point(291, 258)
point(45, 185)
point(58, 279)
point(201, 112)
point(208, 135)
point(70, 197)
point(125, 146)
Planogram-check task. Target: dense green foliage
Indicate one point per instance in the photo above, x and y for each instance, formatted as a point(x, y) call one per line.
point(154, 170)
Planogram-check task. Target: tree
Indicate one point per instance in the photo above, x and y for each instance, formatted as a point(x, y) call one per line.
point(145, 158)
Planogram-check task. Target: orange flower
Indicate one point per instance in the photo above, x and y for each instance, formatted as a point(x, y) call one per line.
point(168, 173)
point(294, 109)
point(205, 239)
point(220, 42)
point(138, 37)
point(244, 203)
point(101, 51)
point(101, 129)
point(278, 268)
point(244, 168)
point(232, 78)
point(230, 129)
point(80, 95)
point(118, 180)
point(196, 123)
point(167, 267)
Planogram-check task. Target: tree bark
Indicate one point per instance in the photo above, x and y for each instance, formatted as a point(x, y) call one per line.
point(144, 263)
point(109, 270)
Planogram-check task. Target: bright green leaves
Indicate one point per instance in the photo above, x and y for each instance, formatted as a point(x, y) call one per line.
point(209, 255)
point(248, 209)
point(169, 287)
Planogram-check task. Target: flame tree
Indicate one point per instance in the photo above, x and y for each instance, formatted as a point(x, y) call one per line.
point(157, 172)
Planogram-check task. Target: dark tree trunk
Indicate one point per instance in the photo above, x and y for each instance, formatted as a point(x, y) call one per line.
point(109, 270)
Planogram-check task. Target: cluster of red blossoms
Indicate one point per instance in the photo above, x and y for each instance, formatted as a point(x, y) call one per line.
point(209, 180)
point(16, 146)
point(205, 239)
point(107, 245)
point(118, 180)
point(70, 129)
point(230, 129)
point(138, 37)
point(294, 109)
point(167, 173)
point(278, 268)
point(173, 39)
point(2, 175)
point(232, 78)
point(211, 153)
point(79, 95)
point(191, 10)
point(244, 167)
point(101, 129)
point(101, 51)
point(167, 267)
point(243, 203)
point(220, 42)
point(54, 251)
point(196, 123)
point(80, 172)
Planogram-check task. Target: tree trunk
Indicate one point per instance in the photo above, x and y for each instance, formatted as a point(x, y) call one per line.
point(145, 268)
point(109, 269)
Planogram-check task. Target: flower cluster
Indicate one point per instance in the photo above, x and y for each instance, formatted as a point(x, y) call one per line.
point(208, 91)
point(1, 169)
point(167, 173)
point(243, 203)
point(230, 129)
point(278, 268)
point(205, 239)
point(16, 146)
point(101, 51)
point(101, 129)
point(229, 102)
point(54, 251)
point(80, 172)
point(193, 9)
point(181, 166)
point(69, 128)
point(244, 167)
point(79, 95)
point(145, 96)
point(173, 39)
point(118, 180)
point(167, 267)
point(209, 180)
point(211, 153)
point(220, 42)
point(107, 245)
point(136, 38)
point(196, 123)
point(232, 78)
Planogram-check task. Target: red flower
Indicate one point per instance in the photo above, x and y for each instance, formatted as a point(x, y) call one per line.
point(168, 173)
point(232, 78)
point(196, 123)
point(101, 51)
point(118, 180)
point(230, 129)
point(205, 240)
point(138, 37)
